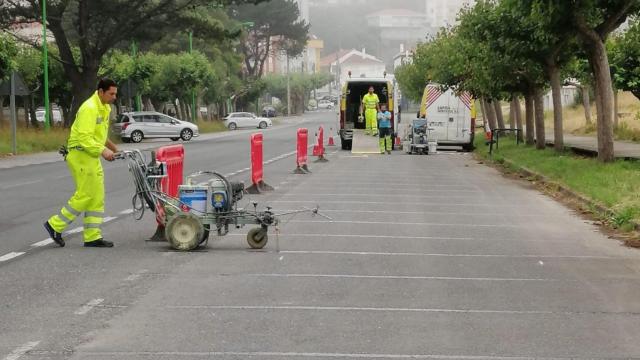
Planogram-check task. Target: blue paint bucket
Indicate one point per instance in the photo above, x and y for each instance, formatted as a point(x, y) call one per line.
point(194, 196)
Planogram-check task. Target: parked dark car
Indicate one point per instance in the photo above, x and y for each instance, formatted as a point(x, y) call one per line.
point(269, 111)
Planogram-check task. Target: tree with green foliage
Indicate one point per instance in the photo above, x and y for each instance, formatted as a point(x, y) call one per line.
point(97, 26)
point(625, 59)
point(8, 52)
point(275, 21)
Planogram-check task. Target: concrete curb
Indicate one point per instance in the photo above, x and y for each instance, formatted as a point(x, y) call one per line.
point(583, 200)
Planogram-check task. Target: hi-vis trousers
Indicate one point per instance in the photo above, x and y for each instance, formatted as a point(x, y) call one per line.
point(371, 118)
point(88, 199)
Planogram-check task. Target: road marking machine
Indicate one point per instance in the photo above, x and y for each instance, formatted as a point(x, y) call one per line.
point(200, 207)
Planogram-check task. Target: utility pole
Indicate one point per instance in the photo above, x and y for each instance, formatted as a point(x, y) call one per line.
point(45, 60)
point(288, 88)
point(134, 54)
point(193, 92)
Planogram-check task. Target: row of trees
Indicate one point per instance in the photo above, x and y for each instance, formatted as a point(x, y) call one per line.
point(231, 40)
point(504, 49)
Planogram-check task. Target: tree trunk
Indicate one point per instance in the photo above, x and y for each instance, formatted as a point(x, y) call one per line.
point(2, 111)
point(529, 118)
point(25, 105)
point(518, 113)
point(32, 112)
point(539, 111)
point(82, 90)
point(599, 62)
point(499, 115)
point(556, 90)
point(615, 109)
point(586, 102)
point(485, 118)
point(491, 114)
point(512, 113)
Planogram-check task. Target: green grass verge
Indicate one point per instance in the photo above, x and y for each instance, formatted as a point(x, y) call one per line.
point(615, 185)
point(32, 140)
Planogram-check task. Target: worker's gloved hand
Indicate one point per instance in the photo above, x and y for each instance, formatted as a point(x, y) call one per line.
point(107, 155)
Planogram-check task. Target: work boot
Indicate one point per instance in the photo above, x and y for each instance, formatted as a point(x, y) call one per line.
point(54, 235)
point(98, 243)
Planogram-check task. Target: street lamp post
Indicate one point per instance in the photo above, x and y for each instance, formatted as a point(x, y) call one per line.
point(45, 60)
point(193, 92)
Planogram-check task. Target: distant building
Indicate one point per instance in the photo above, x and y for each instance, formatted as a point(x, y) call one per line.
point(398, 28)
point(443, 13)
point(359, 63)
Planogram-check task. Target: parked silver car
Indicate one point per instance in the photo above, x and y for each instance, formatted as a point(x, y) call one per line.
point(138, 125)
point(245, 119)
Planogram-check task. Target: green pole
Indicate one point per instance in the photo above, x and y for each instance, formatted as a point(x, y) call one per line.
point(193, 92)
point(134, 53)
point(45, 56)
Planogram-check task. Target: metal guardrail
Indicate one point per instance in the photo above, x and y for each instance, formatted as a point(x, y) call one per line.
point(495, 137)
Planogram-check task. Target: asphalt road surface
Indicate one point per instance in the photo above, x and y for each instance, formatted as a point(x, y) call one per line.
point(426, 257)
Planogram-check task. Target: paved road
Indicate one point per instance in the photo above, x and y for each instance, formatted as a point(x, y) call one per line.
point(427, 257)
point(622, 149)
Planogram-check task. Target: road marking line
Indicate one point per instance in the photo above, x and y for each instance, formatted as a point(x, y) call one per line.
point(126, 212)
point(400, 223)
point(136, 276)
point(373, 253)
point(10, 256)
point(422, 213)
point(90, 305)
point(386, 203)
point(17, 353)
point(398, 277)
point(108, 218)
point(368, 236)
point(74, 231)
point(44, 242)
point(390, 309)
point(190, 354)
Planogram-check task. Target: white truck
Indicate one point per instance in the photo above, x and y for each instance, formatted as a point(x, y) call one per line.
point(450, 116)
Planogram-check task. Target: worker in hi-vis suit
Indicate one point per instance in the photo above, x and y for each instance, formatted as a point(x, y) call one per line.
point(88, 141)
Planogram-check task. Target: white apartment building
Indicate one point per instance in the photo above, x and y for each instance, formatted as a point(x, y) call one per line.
point(443, 13)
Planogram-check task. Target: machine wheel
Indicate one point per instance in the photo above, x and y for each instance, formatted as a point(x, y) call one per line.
point(257, 238)
point(262, 125)
point(137, 136)
point(184, 231)
point(186, 134)
point(205, 234)
point(175, 138)
point(232, 126)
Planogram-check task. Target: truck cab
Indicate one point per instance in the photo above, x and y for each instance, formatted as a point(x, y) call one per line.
point(353, 90)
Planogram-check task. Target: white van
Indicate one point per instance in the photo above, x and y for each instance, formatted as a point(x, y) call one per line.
point(451, 115)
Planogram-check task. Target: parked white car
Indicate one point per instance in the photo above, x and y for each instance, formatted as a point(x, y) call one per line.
point(325, 104)
point(138, 125)
point(245, 119)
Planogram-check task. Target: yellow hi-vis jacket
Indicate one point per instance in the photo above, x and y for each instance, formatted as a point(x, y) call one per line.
point(91, 127)
point(370, 101)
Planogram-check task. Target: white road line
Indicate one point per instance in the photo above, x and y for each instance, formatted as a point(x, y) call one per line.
point(126, 212)
point(44, 242)
point(84, 309)
point(400, 223)
point(136, 276)
point(17, 353)
point(383, 309)
point(382, 195)
point(108, 218)
point(74, 230)
point(398, 277)
point(388, 212)
point(373, 253)
point(386, 203)
point(366, 236)
point(274, 354)
point(10, 256)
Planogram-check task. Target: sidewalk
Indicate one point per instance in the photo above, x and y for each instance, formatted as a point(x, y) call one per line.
point(622, 149)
